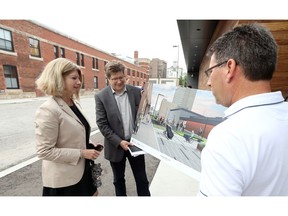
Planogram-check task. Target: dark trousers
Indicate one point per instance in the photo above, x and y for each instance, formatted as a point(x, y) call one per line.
point(138, 168)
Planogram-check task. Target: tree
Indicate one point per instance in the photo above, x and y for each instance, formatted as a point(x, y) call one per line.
point(183, 81)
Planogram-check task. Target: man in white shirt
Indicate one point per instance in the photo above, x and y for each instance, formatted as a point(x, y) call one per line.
point(247, 154)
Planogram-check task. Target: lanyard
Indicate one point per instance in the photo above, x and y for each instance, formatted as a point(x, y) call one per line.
point(268, 104)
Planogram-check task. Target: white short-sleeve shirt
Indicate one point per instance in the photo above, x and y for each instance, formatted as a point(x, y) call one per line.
point(247, 154)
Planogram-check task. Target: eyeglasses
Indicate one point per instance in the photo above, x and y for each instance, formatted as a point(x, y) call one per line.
point(209, 70)
point(118, 79)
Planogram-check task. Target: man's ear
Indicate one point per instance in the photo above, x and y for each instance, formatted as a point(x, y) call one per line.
point(231, 67)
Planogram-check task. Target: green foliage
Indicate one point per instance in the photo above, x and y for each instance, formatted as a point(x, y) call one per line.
point(183, 81)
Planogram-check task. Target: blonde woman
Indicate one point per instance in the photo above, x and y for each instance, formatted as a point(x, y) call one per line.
point(62, 133)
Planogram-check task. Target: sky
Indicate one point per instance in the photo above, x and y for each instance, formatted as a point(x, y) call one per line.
point(203, 104)
point(124, 26)
point(125, 34)
point(120, 27)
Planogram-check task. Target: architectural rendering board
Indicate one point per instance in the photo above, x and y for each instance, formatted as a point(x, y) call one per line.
point(173, 124)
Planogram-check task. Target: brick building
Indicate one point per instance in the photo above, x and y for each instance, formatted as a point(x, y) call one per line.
point(27, 46)
point(158, 68)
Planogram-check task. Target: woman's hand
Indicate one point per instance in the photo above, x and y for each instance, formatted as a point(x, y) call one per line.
point(90, 154)
point(93, 151)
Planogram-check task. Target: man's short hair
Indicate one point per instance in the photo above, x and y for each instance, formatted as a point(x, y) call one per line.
point(114, 67)
point(252, 46)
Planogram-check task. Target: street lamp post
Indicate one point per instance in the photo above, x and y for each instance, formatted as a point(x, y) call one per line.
point(177, 64)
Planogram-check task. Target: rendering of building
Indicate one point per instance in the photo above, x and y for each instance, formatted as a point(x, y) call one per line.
point(184, 97)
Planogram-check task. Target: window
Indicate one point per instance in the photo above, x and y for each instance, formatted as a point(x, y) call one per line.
point(11, 77)
point(97, 66)
point(34, 47)
point(137, 73)
point(128, 71)
point(95, 82)
point(93, 63)
point(133, 73)
point(62, 52)
point(56, 53)
point(82, 60)
point(77, 58)
point(6, 42)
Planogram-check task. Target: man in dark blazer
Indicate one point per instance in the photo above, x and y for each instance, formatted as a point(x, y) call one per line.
point(116, 110)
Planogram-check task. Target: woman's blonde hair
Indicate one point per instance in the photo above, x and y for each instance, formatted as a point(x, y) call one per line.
point(51, 81)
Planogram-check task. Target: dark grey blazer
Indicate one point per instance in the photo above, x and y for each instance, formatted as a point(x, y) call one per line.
point(109, 120)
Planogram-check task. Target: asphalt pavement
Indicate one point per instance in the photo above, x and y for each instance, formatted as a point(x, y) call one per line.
point(17, 147)
point(27, 181)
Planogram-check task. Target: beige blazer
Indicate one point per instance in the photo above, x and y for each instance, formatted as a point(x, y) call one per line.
point(59, 137)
